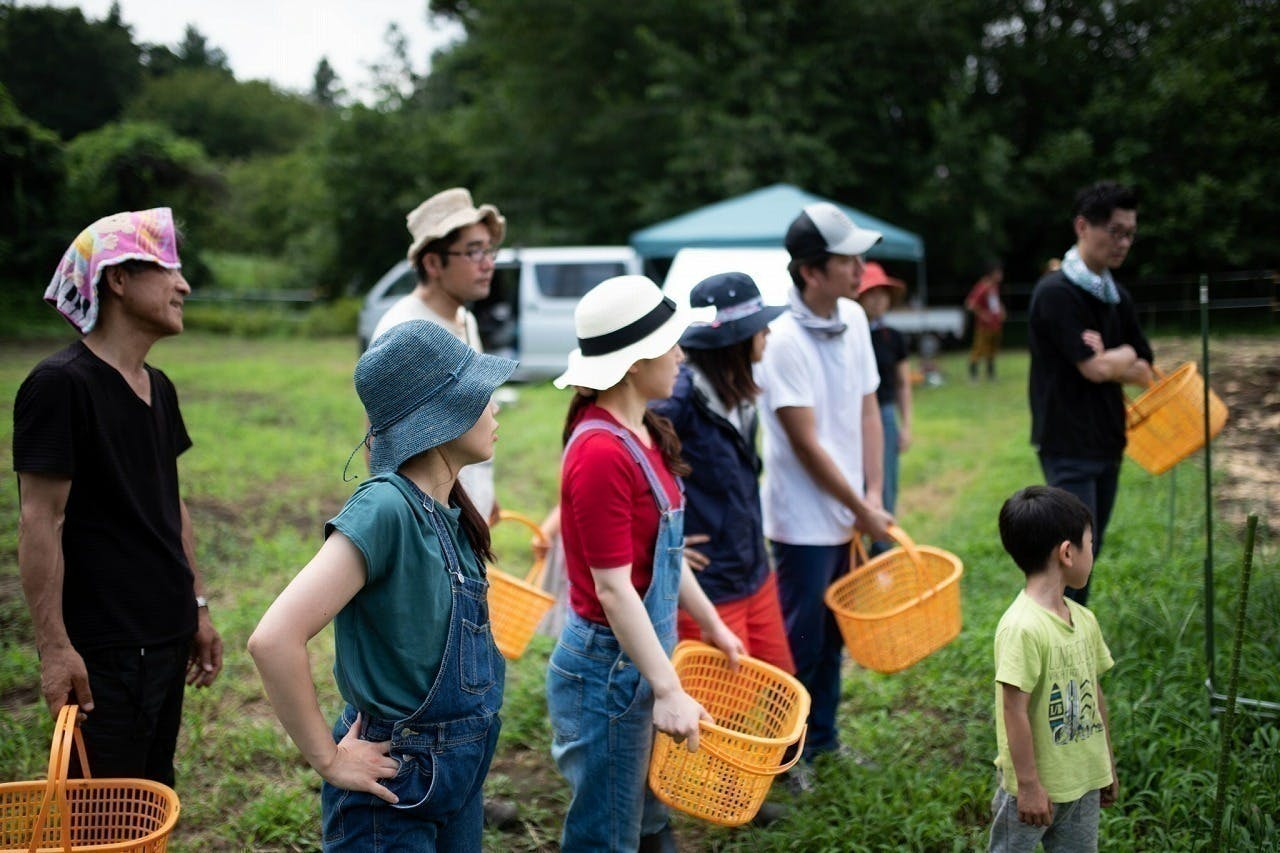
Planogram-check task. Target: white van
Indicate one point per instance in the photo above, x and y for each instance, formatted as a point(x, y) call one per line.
point(528, 314)
point(768, 267)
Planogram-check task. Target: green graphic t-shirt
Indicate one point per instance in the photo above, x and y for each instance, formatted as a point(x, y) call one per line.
point(1058, 664)
point(390, 637)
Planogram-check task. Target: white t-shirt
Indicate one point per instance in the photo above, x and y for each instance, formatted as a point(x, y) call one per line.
point(830, 375)
point(476, 479)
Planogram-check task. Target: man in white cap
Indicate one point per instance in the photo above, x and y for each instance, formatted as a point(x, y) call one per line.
point(454, 244)
point(823, 449)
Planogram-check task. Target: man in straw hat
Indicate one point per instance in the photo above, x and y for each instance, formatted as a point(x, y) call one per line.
point(823, 449)
point(105, 544)
point(1085, 344)
point(452, 249)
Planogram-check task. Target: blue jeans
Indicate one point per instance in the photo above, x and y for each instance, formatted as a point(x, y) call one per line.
point(889, 493)
point(1093, 481)
point(804, 573)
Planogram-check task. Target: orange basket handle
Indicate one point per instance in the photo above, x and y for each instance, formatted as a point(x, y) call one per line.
point(1134, 413)
point(908, 544)
point(534, 575)
point(748, 768)
point(858, 550)
point(64, 734)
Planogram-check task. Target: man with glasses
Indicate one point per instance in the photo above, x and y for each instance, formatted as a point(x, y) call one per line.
point(454, 244)
point(823, 450)
point(1085, 345)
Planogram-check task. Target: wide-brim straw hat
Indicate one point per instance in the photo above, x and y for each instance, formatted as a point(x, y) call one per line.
point(740, 311)
point(446, 211)
point(422, 387)
point(620, 321)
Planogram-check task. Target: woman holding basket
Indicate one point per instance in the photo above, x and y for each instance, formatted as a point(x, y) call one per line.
point(610, 679)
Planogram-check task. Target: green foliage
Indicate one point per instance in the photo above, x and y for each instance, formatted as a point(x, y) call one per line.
point(32, 178)
point(228, 117)
point(67, 73)
point(334, 318)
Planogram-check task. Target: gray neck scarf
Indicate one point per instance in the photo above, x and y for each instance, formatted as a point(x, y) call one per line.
point(822, 327)
point(1100, 287)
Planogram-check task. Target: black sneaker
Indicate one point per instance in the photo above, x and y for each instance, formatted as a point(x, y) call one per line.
point(663, 841)
point(501, 814)
point(770, 813)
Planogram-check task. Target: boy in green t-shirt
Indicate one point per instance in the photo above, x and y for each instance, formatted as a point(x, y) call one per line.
point(1055, 764)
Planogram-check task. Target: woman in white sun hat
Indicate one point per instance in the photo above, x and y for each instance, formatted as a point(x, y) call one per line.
point(610, 679)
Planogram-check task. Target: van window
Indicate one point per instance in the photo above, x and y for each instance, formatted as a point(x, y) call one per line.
point(402, 286)
point(571, 281)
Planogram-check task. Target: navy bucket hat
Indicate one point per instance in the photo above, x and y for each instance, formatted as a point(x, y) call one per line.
point(422, 387)
point(740, 311)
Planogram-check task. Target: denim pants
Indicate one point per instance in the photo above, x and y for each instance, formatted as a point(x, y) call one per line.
point(889, 493)
point(804, 573)
point(601, 707)
point(1074, 828)
point(1093, 481)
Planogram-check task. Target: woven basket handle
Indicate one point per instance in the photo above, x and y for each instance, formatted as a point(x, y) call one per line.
point(897, 534)
point(534, 575)
point(64, 734)
point(1134, 413)
point(858, 551)
point(748, 768)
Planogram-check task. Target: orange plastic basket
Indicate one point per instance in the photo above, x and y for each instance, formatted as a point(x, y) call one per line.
point(759, 712)
point(517, 605)
point(900, 607)
point(103, 815)
point(1166, 422)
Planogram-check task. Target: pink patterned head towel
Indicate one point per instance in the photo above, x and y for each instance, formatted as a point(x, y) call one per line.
point(144, 235)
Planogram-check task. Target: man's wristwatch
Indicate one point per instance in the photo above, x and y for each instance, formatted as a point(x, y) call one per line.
point(201, 601)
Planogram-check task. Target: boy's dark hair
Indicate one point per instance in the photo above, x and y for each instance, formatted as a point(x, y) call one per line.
point(1036, 520)
point(817, 261)
point(1096, 202)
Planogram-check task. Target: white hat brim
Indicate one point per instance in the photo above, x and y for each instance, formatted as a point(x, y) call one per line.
point(600, 372)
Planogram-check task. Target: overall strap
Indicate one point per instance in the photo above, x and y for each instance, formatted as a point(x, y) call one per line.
point(637, 453)
point(451, 560)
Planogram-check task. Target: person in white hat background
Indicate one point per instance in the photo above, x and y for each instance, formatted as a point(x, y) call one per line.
point(823, 450)
point(453, 244)
point(402, 576)
point(610, 680)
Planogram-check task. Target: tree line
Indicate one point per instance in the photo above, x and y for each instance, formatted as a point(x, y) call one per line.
point(971, 123)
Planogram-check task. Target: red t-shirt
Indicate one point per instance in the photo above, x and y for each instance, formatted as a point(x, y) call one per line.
point(608, 516)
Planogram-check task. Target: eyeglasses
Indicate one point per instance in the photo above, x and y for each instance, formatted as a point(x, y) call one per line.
point(1118, 233)
point(476, 255)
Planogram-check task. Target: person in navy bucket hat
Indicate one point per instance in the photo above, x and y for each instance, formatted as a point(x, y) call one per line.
point(713, 410)
point(402, 577)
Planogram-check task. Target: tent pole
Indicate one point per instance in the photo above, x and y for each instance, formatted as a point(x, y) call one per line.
point(922, 286)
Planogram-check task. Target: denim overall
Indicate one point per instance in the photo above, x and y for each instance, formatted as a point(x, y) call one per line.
point(601, 708)
point(443, 748)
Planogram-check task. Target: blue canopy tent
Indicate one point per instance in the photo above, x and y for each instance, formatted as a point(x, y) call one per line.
point(760, 218)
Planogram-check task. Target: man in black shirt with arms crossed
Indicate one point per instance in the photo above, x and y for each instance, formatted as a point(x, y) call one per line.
point(1085, 345)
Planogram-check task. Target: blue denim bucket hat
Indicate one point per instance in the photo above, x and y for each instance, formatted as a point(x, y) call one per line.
point(422, 387)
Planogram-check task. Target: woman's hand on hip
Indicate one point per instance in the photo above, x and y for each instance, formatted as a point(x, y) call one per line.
point(357, 764)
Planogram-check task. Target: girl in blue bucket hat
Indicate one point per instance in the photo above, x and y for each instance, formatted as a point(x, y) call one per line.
point(713, 410)
point(401, 574)
point(610, 681)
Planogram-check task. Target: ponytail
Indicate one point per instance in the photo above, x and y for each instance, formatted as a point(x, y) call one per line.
point(582, 398)
point(474, 526)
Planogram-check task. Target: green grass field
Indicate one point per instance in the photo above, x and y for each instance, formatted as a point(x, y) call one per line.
point(274, 421)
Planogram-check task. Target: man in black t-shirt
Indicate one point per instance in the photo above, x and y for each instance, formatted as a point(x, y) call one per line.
point(1085, 345)
point(105, 549)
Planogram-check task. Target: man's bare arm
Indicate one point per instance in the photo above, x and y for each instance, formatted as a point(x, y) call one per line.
point(41, 516)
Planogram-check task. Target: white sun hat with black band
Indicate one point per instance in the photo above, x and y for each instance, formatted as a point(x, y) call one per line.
point(620, 321)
